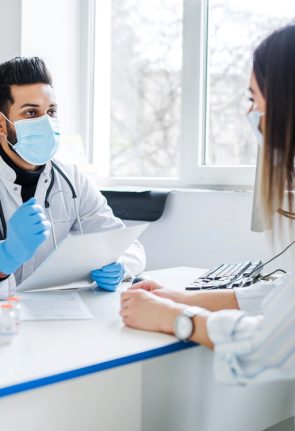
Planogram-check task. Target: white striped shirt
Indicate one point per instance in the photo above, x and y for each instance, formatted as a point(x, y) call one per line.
point(256, 343)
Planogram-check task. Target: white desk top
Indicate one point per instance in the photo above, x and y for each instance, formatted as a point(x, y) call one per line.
point(50, 351)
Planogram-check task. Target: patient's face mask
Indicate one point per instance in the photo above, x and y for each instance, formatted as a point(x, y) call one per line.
point(254, 117)
point(37, 139)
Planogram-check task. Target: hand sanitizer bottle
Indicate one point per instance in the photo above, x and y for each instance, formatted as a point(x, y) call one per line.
point(7, 324)
point(15, 303)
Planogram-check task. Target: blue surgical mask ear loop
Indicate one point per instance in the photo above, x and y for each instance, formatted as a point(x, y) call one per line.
point(9, 143)
point(74, 196)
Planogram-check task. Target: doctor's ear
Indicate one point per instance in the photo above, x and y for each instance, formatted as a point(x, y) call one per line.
point(3, 125)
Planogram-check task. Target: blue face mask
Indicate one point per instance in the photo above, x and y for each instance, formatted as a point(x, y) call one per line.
point(254, 118)
point(37, 139)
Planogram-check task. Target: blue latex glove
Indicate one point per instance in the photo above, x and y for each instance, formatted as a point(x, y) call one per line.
point(109, 277)
point(26, 230)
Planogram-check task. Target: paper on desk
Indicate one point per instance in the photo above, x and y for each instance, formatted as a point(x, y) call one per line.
point(53, 306)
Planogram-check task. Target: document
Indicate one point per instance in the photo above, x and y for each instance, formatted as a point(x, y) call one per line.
point(53, 306)
point(77, 255)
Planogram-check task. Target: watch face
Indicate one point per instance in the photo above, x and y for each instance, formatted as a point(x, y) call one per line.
point(183, 327)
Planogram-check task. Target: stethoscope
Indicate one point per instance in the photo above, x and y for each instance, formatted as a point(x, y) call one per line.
point(47, 205)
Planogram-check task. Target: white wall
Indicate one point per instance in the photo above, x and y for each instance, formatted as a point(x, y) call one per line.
point(51, 30)
point(10, 29)
point(204, 228)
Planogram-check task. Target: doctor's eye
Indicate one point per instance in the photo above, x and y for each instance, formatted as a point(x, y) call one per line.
point(30, 113)
point(52, 113)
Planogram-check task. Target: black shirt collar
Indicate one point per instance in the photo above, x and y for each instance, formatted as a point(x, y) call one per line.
point(23, 178)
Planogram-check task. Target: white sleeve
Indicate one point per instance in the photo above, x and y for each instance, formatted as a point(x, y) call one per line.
point(96, 216)
point(261, 348)
point(7, 287)
point(250, 298)
point(134, 260)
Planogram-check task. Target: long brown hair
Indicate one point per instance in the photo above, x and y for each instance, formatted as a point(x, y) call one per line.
point(274, 69)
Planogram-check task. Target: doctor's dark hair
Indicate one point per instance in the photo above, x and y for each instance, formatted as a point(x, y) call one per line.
point(20, 71)
point(274, 70)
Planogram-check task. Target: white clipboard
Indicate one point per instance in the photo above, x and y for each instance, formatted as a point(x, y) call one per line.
point(77, 255)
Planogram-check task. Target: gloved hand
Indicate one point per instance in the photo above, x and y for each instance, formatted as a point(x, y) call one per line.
point(109, 277)
point(26, 230)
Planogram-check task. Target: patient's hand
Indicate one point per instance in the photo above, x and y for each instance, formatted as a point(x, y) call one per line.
point(143, 310)
point(158, 289)
point(149, 285)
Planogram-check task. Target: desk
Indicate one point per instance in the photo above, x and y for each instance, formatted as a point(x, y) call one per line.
point(99, 375)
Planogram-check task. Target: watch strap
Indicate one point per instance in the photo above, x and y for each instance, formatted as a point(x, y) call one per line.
point(194, 311)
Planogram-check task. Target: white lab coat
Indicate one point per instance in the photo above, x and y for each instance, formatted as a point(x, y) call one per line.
point(94, 213)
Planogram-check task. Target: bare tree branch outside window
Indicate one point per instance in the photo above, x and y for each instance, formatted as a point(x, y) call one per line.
point(146, 82)
point(146, 87)
point(235, 28)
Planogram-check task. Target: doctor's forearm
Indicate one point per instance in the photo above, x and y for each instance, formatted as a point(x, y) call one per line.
point(134, 259)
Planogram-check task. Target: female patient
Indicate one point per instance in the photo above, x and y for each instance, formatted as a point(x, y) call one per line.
point(250, 329)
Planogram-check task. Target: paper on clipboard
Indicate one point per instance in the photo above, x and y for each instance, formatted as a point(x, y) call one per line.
point(77, 255)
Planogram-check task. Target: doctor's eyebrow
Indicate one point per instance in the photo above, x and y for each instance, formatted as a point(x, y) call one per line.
point(251, 90)
point(34, 105)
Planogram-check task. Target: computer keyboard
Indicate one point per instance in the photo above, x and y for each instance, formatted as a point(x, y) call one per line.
point(228, 276)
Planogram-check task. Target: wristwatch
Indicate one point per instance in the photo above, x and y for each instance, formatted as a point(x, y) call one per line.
point(184, 323)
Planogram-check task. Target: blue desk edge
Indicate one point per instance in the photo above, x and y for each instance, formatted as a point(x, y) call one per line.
point(72, 374)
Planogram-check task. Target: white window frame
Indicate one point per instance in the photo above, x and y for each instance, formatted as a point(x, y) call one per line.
point(193, 171)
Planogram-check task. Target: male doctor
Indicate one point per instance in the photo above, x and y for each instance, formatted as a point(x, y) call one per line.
point(41, 199)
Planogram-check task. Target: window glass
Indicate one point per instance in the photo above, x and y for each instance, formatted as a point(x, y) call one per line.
point(146, 63)
point(234, 29)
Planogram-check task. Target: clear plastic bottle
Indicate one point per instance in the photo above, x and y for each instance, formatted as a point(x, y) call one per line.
point(7, 324)
point(16, 306)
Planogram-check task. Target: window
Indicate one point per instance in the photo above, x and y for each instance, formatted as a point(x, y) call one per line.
point(171, 79)
point(142, 135)
point(234, 30)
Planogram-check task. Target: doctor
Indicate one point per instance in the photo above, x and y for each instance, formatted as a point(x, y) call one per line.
point(41, 199)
